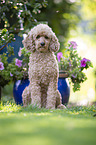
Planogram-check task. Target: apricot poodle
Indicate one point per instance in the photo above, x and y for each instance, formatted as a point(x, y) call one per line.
point(43, 68)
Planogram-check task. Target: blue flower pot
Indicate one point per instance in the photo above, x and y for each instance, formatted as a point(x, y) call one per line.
point(64, 89)
point(20, 85)
point(18, 88)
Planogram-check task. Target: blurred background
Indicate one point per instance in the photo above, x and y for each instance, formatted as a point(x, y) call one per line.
point(71, 20)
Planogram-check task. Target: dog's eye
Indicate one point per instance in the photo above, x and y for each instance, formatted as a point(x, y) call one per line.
point(38, 36)
point(46, 37)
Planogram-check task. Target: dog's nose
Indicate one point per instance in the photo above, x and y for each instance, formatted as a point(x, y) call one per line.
point(42, 43)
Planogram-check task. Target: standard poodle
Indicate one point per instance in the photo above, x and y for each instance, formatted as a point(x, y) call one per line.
point(43, 68)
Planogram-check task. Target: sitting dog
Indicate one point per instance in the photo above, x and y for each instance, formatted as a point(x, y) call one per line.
point(43, 68)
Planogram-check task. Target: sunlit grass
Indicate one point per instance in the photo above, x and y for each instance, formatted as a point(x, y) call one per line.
point(9, 107)
point(34, 126)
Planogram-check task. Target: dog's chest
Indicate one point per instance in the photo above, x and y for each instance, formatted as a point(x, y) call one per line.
point(43, 65)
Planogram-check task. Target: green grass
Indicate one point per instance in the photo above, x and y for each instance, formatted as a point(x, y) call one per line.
point(33, 126)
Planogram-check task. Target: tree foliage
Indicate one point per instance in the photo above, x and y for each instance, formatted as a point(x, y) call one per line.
point(88, 15)
point(14, 13)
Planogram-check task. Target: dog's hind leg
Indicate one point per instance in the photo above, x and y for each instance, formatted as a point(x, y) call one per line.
point(26, 96)
point(59, 104)
point(58, 98)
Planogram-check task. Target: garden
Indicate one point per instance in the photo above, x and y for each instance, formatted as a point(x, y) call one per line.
point(76, 32)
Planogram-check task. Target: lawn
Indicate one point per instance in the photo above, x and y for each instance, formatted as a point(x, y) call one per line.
point(32, 126)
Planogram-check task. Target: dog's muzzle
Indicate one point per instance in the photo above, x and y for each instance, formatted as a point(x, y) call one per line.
point(42, 43)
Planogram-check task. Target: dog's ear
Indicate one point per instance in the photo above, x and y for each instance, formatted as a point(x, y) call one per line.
point(29, 43)
point(54, 44)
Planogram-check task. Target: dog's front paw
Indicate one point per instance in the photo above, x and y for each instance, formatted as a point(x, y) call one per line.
point(61, 106)
point(50, 107)
point(24, 105)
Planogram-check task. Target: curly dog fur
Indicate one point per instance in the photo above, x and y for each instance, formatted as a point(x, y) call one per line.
point(43, 69)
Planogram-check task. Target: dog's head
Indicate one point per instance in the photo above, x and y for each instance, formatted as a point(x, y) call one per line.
point(41, 38)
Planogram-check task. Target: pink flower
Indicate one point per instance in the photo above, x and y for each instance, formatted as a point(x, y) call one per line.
point(1, 66)
point(18, 62)
point(59, 56)
point(83, 62)
point(73, 44)
point(20, 52)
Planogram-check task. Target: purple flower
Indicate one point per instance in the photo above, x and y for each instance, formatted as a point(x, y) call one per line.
point(18, 62)
point(59, 56)
point(83, 62)
point(73, 44)
point(1, 66)
point(11, 74)
point(73, 76)
point(20, 52)
point(70, 64)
